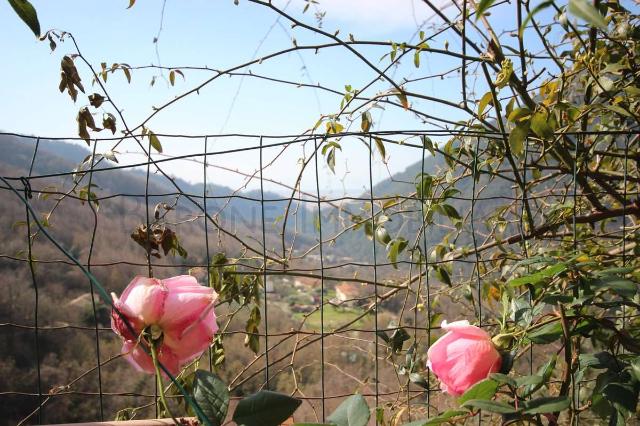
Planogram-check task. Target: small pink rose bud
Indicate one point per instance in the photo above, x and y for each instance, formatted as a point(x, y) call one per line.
point(178, 310)
point(462, 357)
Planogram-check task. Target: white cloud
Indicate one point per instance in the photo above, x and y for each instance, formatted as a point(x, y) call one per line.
point(370, 16)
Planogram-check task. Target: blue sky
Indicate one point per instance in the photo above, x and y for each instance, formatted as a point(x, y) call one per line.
point(217, 34)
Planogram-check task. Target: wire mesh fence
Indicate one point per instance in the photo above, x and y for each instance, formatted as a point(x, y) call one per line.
point(317, 299)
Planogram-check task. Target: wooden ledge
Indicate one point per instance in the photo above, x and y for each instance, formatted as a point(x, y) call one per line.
point(149, 422)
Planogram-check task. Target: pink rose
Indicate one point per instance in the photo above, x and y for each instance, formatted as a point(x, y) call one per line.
point(462, 357)
point(178, 307)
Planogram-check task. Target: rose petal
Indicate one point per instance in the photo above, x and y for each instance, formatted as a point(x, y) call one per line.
point(118, 324)
point(190, 342)
point(141, 361)
point(181, 283)
point(185, 305)
point(145, 297)
point(463, 327)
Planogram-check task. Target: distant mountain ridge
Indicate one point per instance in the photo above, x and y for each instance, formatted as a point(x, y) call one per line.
point(244, 208)
point(58, 156)
point(238, 212)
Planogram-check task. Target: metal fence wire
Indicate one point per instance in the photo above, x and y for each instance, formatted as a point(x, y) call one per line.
point(326, 292)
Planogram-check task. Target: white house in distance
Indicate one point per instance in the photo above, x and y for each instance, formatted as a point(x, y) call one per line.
point(347, 292)
point(306, 284)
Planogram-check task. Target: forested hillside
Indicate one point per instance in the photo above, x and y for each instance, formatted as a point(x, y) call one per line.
point(65, 313)
point(66, 340)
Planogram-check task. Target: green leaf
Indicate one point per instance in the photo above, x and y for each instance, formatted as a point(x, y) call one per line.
point(598, 360)
point(447, 210)
point(354, 411)
point(503, 379)
point(618, 285)
point(546, 405)
point(486, 99)
point(329, 145)
point(212, 395)
point(491, 406)
point(622, 396)
point(382, 236)
point(416, 59)
point(614, 271)
point(155, 142)
point(540, 125)
point(27, 13)
point(424, 185)
point(518, 114)
point(482, 7)
point(585, 10)
point(442, 275)
point(539, 276)
point(618, 109)
point(546, 334)
point(506, 71)
point(545, 371)
point(529, 380)
point(444, 417)
point(449, 193)
point(518, 136)
point(394, 248)
point(331, 159)
point(485, 389)
point(380, 146)
point(265, 408)
point(428, 144)
point(585, 326)
point(333, 127)
point(368, 230)
point(635, 369)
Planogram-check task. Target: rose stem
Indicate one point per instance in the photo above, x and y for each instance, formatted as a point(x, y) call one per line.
point(154, 356)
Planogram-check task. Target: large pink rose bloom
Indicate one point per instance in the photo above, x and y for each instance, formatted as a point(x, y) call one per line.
point(179, 307)
point(462, 357)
